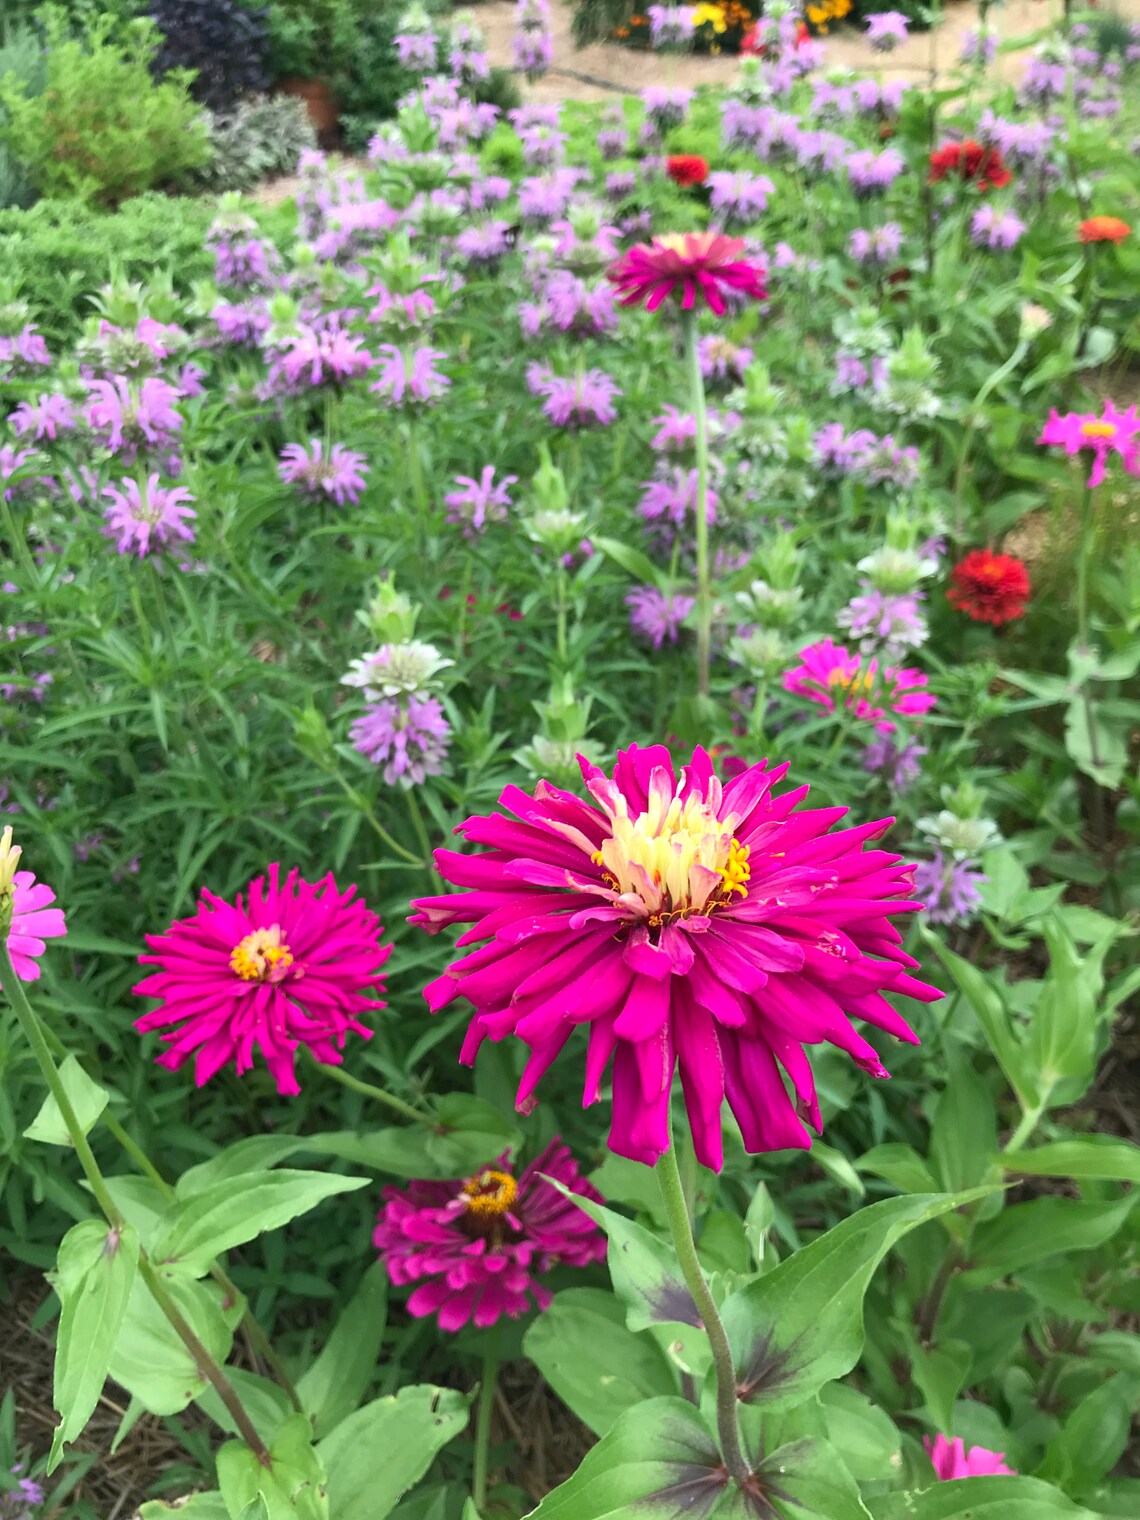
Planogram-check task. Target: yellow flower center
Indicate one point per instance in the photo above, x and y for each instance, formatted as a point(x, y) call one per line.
point(261, 957)
point(1098, 429)
point(490, 1192)
point(677, 857)
point(854, 681)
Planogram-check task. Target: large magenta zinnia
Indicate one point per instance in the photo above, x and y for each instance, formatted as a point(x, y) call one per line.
point(697, 266)
point(687, 922)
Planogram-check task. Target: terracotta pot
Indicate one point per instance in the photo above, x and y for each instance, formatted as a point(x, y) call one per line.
point(320, 102)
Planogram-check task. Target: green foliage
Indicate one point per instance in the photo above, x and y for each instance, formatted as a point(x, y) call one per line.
point(262, 137)
point(101, 129)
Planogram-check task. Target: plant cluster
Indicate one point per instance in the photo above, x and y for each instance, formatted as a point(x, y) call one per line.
point(428, 613)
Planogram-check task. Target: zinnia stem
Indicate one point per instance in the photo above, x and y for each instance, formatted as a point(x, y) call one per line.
point(209, 1369)
point(704, 587)
point(483, 1418)
point(673, 1197)
point(1083, 556)
point(346, 1079)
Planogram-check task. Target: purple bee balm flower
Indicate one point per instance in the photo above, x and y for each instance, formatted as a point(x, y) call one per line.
point(672, 498)
point(722, 361)
point(852, 374)
point(888, 463)
point(947, 889)
point(1022, 142)
point(885, 623)
point(242, 263)
point(480, 501)
point(898, 767)
point(488, 190)
point(45, 418)
point(991, 227)
point(324, 358)
point(26, 350)
point(416, 51)
point(670, 25)
point(409, 378)
point(533, 52)
point(544, 197)
point(657, 616)
point(677, 431)
point(144, 519)
point(1043, 82)
point(739, 197)
point(476, 1248)
point(979, 46)
point(339, 476)
point(612, 142)
point(408, 737)
point(484, 244)
point(666, 107)
point(543, 145)
point(870, 173)
point(582, 400)
point(820, 152)
point(836, 451)
point(535, 114)
point(876, 245)
point(411, 310)
point(621, 184)
point(190, 378)
point(127, 419)
point(241, 324)
point(578, 308)
point(886, 29)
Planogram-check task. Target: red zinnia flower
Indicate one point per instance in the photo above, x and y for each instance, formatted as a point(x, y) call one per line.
point(1103, 229)
point(698, 264)
point(686, 922)
point(288, 970)
point(476, 1245)
point(687, 169)
point(990, 588)
point(971, 161)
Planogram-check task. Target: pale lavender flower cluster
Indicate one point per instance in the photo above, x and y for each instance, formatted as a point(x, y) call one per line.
point(533, 40)
point(656, 615)
point(338, 475)
point(665, 107)
point(947, 888)
point(876, 245)
point(721, 360)
point(882, 100)
point(409, 378)
point(467, 57)
point(131, 418)
point(576, 401)
point(613, 135)
point(143, 519)
point(46, 417)
point(568, 304)
point(418, 52)
point(1021, 142)
point(544, 197)
point(886, 29)
point(23, 352)
point(328, 357)
point(866, 457)
point(479, 502)
point(884, 622)
point(409, 737)
point(991, 227)
point(671, 499)
point(670, 25)
point(871, 173)
point(242, 262)
point(677, 431)
point(17, 1503)
point(979, 47)
point(11, 461)
point(836, 452)
point(738, 197)
point(854, 373)
point(1044, 81)
point(484, 244)
point(899, 765)
point(241, 324)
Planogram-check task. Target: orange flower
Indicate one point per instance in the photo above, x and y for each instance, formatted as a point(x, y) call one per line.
point(1103, 229)
point(687, 169)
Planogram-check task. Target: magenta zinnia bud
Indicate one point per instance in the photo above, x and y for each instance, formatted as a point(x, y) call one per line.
point(477, 1246)
point(26, 916)
point(688, 923)
point(693, 265)
point(289, 968)
point(951, 1459)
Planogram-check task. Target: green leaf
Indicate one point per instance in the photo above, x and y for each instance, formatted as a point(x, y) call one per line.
point(1095, 1435)
point(207, 1506)
point(990, 1010)
point(963, 1130)
point(206, 1224)
point(1090, 1158)
point(151, 1362)
point(801, 1325)
point(378, 1452)
point(1000, 1498)
point(256, 1153)
point(1096, 746)
point(291, 1487)
point(622, 1369)
point(900, 1164)
point(631, 560)
point(940, 1372)
point(863, 1434)
point(837, 1167)
point(336, 1382)
point(88, 1100)
point(95, 1274)
point(266, 1404)
point(1063, 1030)
point(471, 1132)
point(1031, 1232)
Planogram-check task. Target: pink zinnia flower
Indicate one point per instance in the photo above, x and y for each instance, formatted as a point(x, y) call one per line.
point(951, 1459)
point(289, 969)
point(686, 922)
point(833, 677)
point(476, 1246)
point(694, 265)
point(1114, 432)
point(33, 919)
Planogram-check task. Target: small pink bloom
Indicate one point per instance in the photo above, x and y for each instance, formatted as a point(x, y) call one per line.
point(33, 922)
point(1114, 432)
point(833, 677)
point(951, 1459)
point(477, 1246)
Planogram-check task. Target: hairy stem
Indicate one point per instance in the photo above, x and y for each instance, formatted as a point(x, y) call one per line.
point(704, 582)
point(483, 1418)
point(356, 1084)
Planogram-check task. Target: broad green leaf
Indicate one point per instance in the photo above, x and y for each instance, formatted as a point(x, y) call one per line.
point(900, 1164)
point(1090, 1158)
point(266, 1404)
point(963, 1130)
point(94, 1278)
point(940, 1373)
point(622, 1369)
point(378, 1452)
point(863, 1434)
point(837, 1167)
point(293, 1485)
point(1096, 746)
point(149, 1359)
point(207, 1506)
point(1031, 1232)
point(206, 1224)
point(801, 1325)
point(87, 1098)
point(990, 1010)
point(1000, 1498)
point(336, 1382)
point(471, 1132)
point(1094, 1436)
point(633, 561)
point(1117, 1348)
point(256, 1153)
point(1064, 1023)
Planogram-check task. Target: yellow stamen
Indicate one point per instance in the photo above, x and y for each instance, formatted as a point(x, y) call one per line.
point(1098, 429)
point(736, 871)
point(856, 680)
point(261, 957)
point(490, 1192)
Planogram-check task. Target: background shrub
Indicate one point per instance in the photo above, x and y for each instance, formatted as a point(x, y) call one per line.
point(225, 43)
point(262, 137)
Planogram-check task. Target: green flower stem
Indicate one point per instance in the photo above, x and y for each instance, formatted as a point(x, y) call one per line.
point(1030, 1119)
point(360, 801)
point(416, 473)
point(205, 1363)
point(357, 1085)
point(1084, 554)
point(673, 1197)
point(704, 585)
point(418, 824)
point(19, 541)
point(257, 1336)
point(483, 1418)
